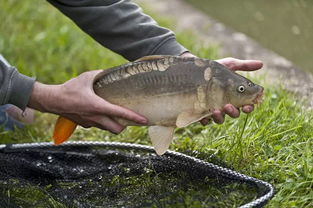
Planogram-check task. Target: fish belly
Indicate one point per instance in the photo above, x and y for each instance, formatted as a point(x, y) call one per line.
point(160, 110)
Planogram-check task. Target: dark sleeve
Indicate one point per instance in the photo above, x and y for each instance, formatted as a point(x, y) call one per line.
point(15, 88)
point(120, 26)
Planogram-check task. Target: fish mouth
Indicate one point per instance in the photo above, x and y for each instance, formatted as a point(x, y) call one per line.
point(258, 99)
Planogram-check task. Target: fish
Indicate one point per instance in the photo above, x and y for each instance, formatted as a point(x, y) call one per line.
point(171, 92)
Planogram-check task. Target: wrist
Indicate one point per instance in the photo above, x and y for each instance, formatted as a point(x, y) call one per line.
point(43, 96)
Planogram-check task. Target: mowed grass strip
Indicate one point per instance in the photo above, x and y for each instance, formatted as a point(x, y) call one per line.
point(274, 143)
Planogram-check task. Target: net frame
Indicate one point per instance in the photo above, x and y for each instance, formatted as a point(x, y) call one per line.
point(221, 171)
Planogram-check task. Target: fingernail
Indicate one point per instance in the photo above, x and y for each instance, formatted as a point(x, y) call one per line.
point(117, 131)
point(204, 121)
point(249, 109)
point(219, 121)
point(143, 121)
point(230, 109)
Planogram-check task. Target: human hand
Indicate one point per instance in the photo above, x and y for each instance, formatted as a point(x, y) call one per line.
point(234, 65)
point(26, 116)
point(76, 100)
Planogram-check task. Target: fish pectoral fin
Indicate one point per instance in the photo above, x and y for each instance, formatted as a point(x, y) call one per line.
point(186, 118)
point(149, 58)
point(161, 138)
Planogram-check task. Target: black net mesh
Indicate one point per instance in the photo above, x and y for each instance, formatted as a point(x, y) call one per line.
point(99, 174)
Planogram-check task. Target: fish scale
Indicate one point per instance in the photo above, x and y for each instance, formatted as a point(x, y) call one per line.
point(118, 73)
point(157, 81)
point(173, 79)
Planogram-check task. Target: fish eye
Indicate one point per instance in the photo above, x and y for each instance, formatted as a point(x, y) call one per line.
point(241, 88)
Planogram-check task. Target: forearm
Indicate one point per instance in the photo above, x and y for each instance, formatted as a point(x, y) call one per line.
point(15, 88)
point(121, 26)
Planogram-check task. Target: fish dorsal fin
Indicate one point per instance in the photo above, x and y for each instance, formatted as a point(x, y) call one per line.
point(186, 118)
point(161, 138)
point(150, 58)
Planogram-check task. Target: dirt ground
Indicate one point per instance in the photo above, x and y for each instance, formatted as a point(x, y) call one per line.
point(277, 70)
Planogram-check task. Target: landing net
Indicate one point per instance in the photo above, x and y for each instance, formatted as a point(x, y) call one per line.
point(111, 174)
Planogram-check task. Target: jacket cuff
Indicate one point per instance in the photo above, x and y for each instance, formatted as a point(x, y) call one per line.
point(169, 47)
point(21, 89)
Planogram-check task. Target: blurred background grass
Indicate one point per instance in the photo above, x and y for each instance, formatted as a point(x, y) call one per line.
point(275, 144)
point(284, 26)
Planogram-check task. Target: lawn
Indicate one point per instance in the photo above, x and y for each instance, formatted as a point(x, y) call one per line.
point(274, 143)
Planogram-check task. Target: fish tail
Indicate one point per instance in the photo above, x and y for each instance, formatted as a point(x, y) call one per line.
point(63, 130)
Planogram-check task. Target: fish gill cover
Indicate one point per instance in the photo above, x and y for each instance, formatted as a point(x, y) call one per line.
point(103, 174)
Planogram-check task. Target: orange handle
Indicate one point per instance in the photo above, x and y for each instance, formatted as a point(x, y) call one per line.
point(63, 130)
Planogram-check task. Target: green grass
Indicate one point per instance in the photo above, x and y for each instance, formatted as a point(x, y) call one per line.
point(274, 143)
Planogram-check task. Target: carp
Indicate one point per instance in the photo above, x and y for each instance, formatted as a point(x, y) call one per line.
point(170, 91)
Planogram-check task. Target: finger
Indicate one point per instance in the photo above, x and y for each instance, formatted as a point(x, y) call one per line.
point(126, 114)
point(248, 108)
point(85, 124)
point(218, 116)
point(106, 123)
point(118, 111)
point(231, 111)
point(77, 119)
point(101, 122)
point(205, 121)
point(242, 65)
